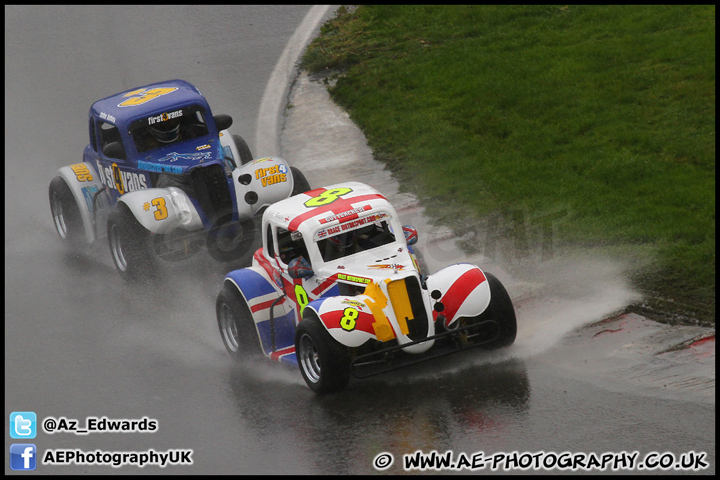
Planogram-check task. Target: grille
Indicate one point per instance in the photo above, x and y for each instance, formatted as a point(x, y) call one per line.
point(407, 303)
point(212, 192)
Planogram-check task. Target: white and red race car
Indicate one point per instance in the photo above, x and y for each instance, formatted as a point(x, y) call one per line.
point(337, 290)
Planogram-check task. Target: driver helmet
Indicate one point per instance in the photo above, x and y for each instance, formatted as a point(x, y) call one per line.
point(344, 240)
point(167, 131)
point(300, 268)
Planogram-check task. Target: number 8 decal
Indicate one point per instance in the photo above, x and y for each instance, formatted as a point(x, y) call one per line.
point(327, 197)
point(302, 298)
point(349, 319)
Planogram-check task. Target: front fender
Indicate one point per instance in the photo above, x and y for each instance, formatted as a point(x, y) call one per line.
point(348, 319)
point(84, 183)
point(228, 145)
point(261, 183)
point(161, 210)
point(464, 291)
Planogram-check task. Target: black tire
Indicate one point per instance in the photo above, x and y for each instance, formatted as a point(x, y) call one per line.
point(300, 183)
point(501, 310)
point(236, 324)
point(228, 241)
point(130, 246)
point(243, 149)
point(66, 213)
point(323, 362)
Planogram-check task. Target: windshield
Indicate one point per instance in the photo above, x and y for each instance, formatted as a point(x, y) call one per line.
point(291, 246)
point(349, 242)
point(167, 128)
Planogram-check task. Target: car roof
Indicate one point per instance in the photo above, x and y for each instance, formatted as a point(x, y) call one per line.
point(118, 110)
point(294, 215)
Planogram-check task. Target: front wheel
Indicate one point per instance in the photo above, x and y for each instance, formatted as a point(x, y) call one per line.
point(228, 240)
point(501, 310)
point(323, 362)
point(243, 149)
point(130, 246)
point(66, 213)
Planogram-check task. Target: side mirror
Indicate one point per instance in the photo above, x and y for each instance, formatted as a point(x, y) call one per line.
point(223, 121)
point(114, 150)
point(411, 235)
point(300, 268)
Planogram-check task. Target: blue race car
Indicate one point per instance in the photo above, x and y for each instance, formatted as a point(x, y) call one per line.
point(162, 178)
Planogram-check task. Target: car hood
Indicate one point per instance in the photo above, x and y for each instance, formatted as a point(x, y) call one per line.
point(179, 158)
point(372, 265)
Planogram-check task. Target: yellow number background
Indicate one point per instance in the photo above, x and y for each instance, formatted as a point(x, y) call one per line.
point(141, 96)
point(327, 197)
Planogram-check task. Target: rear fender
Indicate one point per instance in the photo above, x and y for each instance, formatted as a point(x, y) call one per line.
point(464, 291)
point(261, 183)
point(84, 183)
point(160, 210)
point(263, 297)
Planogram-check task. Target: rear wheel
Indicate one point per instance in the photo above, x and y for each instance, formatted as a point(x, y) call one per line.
point(300, 183)
point(130, 246)
point(243, 149)
point(66, 213)
point(323, 362)
point(236, 324)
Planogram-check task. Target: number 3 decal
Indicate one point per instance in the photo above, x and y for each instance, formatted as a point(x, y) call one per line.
point(138, 97)
point(161, 212)
point(327, 197)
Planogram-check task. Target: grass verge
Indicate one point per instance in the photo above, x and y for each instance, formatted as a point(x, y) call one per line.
point(601, 118)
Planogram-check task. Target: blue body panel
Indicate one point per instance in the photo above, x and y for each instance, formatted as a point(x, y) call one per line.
point(251, 283)
point(290, 359)
point(284, 328)
point(138, 169)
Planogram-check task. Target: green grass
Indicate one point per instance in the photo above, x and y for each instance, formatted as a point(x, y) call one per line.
point(604, 112)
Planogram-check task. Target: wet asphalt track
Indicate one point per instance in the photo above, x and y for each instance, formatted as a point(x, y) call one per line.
point(80, 343)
